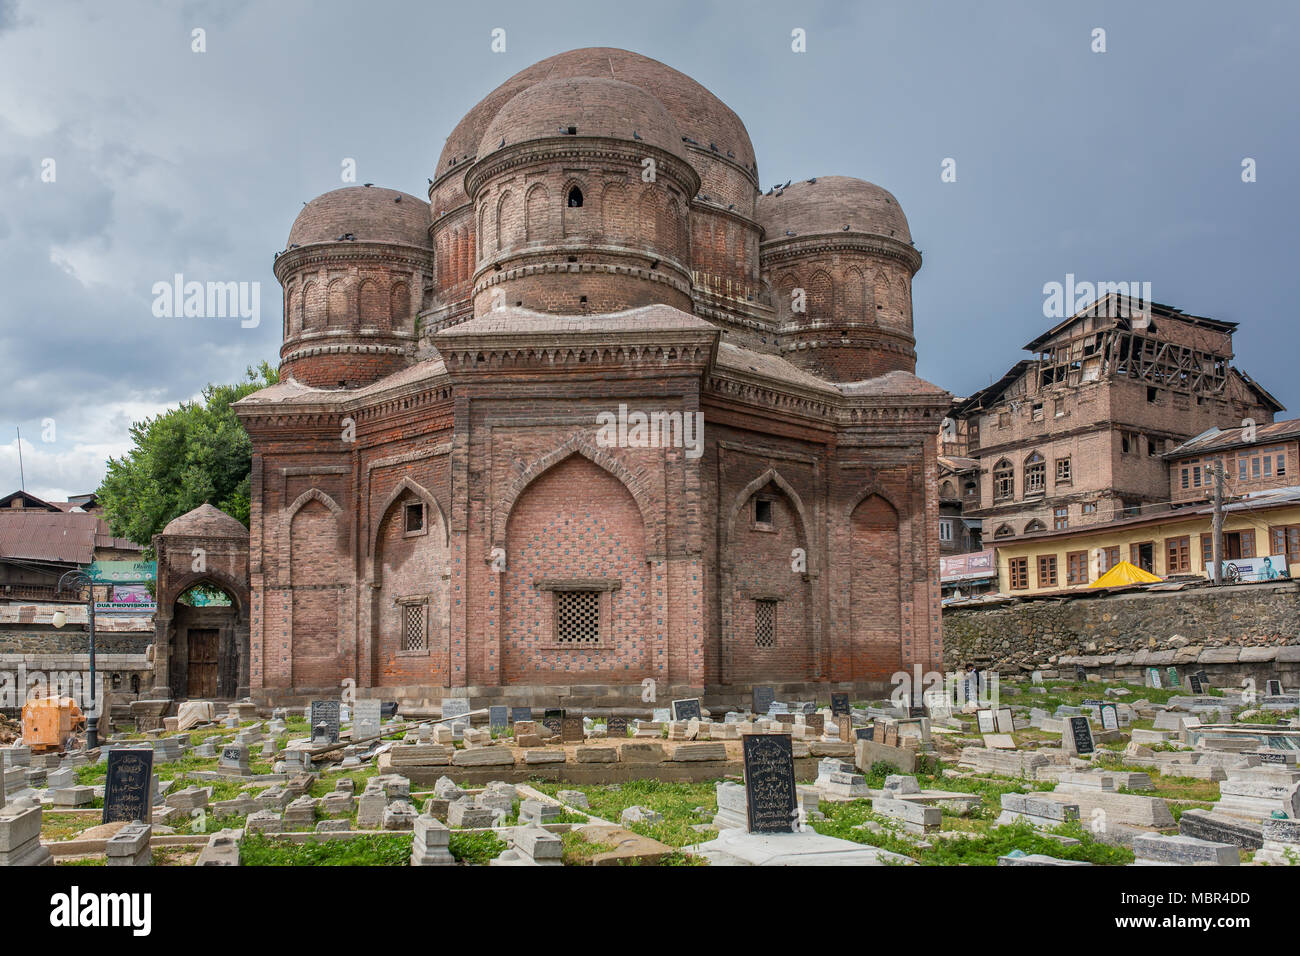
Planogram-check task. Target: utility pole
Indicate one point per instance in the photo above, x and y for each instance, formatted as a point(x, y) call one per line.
point(22, 478)
point(1217, 549)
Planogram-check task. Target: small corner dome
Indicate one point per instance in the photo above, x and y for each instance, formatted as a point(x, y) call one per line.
point(370, 213)
point(828, 205)
point(206, 521)
point(590, 106)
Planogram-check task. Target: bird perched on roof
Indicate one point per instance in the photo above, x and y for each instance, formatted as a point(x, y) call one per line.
point(789, 233)
point(813, 181)
point(714, 147)
point(787, 183)
point(502, 143)
point(367, 185)
point(730, 155)
point(635, 134)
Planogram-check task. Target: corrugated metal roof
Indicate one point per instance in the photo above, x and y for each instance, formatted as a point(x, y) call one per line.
point(64, 537)
point(1221, 439)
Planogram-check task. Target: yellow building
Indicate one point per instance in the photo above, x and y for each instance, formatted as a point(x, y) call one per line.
point(1261, 539)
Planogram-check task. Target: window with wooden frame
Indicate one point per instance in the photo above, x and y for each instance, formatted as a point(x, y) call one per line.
point(1004, 481)
point(1047, 570)
point(1018, 573)
point(1035, 474)
point(1061, 518)
point(1178, 555)
point(1142, 554)
point(1207, 552)
point(413, 517)
point(1109, 558)
point(1064, 475)
point(1285, 539)
point(1076, 567)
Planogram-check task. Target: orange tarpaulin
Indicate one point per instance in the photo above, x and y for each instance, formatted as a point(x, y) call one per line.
point(1124, 573)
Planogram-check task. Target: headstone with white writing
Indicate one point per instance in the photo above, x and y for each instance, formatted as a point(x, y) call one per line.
point(520, 713)
point(1172, 674)
point(366, 718)
point(616, 727)
point(770, 795)
point(498, 717)
point(325, 712)
point(128, 785)
point(987, 722)
point(1194, 681)
point(865, 733)
point(1153, 677)
point(234, 759)
point(1273, 688)
point(1078, 736)
point(687, 709)
point(761, 697)
point(458, 709)
point(840, 705)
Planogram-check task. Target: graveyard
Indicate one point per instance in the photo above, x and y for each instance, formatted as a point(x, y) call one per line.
point(1048, 768)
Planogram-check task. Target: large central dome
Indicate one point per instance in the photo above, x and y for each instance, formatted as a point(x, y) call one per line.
point(705, 120)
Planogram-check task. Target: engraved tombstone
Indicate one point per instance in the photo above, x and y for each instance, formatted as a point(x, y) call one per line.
point(498, 717)
point(1109, 717)
point(761, 698)
point(326, 712)
point(1078, 736)
point(687, 709)
point(128, 785)
point(770, 797)
point(366, 719)
point(616, 727)
point(840, 705)
point(571, 731)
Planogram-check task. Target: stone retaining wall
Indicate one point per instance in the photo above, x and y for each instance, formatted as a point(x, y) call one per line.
point(1230, 632)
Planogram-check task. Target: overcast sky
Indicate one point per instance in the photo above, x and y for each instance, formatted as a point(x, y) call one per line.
point(1122, 165)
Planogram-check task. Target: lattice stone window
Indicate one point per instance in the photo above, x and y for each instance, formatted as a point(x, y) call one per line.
point(577, 617)
point(765, 624)
point(414, 633)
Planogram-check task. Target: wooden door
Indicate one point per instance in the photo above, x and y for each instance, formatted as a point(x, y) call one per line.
point(202, 671)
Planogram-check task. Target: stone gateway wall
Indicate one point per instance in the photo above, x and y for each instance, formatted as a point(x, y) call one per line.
point(1231, 631)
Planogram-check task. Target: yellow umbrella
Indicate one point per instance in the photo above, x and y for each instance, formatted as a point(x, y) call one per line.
point(1124, 573)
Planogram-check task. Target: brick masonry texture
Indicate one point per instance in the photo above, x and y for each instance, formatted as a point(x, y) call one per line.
point(462, 367)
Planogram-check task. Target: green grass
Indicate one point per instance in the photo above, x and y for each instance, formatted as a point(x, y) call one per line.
point(475, 848)
point(676, 801)
point(977, 849)
point(260, 850)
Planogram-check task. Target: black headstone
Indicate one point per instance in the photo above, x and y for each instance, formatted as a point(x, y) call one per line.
point(1274, 756)
point(1194, 681)
point(687, 709)
point(865, 733)
point(769, 783)
point(1082, 734)
point(1273, 688)
point(616, 727)
point(552, 720)
point(326, 712)
point(387, 709)
point(1080, 674)
point(520, 713)
point(498, 717)
point(128, 786)
point(840, 705)
point(761, 698)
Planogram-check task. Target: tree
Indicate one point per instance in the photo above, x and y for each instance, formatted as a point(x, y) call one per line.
point(183, 458)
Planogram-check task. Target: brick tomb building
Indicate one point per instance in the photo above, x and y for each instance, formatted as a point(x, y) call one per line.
point(452, 491)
